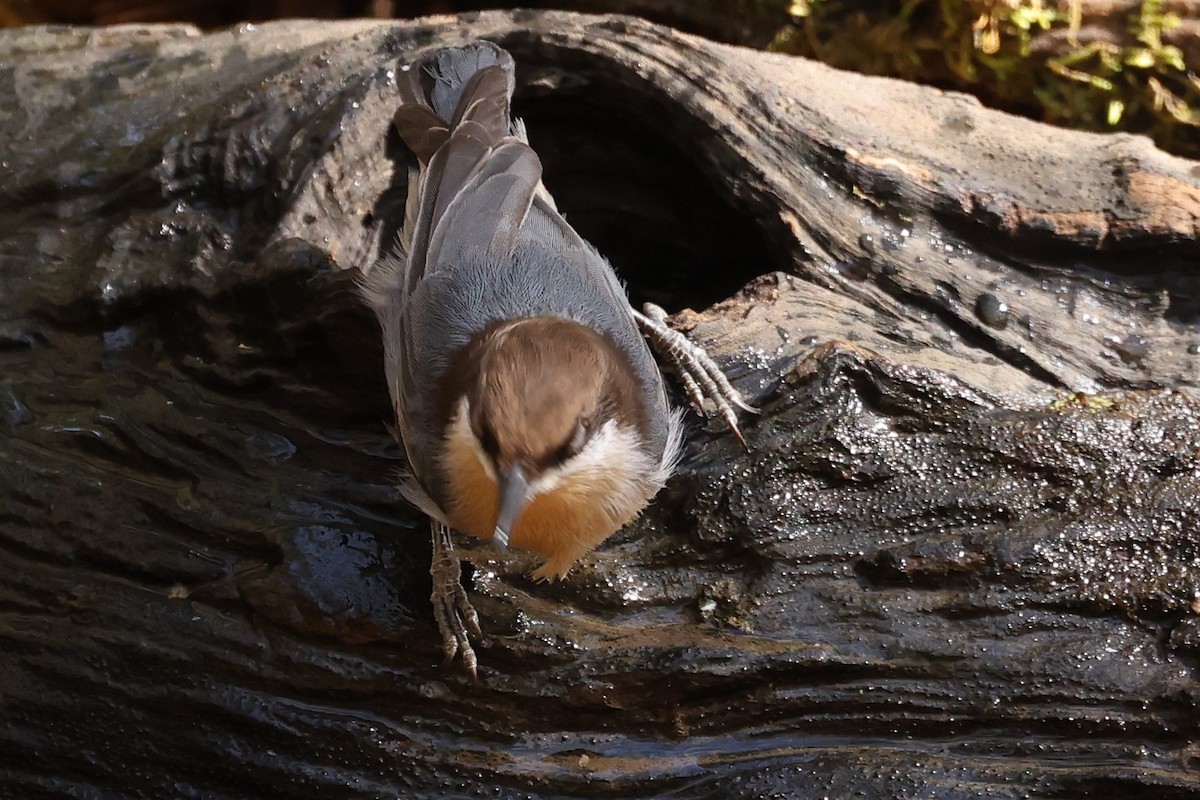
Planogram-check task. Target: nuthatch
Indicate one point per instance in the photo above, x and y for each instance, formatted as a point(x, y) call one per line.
point(528, 402)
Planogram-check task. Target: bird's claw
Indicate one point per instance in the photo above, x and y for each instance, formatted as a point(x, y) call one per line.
point(700, 375)
point(455, 616)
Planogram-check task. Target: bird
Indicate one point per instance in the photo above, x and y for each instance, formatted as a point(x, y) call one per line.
point(529, 405)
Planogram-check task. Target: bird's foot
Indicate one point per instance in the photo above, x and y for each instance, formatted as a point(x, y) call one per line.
point(456, 618)
point(700, 375)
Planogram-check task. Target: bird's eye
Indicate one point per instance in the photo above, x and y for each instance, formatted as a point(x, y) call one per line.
point(487, 439)
point(583, 429)
point(573, 445)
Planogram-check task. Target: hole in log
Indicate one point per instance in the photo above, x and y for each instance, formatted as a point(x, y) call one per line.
point(629, 187)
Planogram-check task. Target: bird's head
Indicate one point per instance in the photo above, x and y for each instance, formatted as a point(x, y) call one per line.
point(552, 406)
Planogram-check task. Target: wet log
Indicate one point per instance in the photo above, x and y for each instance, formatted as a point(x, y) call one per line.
point(960, 557)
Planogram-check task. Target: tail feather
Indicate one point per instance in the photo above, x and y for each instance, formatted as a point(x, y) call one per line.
point(421, 129)
point(452, 85)
point(467, 148)
point(477, 175)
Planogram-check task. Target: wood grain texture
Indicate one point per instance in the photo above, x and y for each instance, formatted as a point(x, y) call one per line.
point(960, 557)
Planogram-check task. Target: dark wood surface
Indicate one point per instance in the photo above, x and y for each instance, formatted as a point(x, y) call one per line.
point(960, 558)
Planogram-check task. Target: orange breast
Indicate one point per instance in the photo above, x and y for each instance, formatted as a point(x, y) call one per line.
point(561, 525)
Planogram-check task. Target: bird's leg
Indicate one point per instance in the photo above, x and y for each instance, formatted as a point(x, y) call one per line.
point(700, 375)
point(455, 616)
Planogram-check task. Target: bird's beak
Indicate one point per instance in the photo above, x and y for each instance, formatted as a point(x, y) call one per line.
point(514, 490)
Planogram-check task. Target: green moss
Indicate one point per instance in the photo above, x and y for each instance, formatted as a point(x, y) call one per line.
point(1023, 55)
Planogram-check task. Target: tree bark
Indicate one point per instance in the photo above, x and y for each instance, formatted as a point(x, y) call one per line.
point(961, 554)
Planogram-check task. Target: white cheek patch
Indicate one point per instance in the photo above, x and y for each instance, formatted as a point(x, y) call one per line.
point(613, 458)
point(591, 456)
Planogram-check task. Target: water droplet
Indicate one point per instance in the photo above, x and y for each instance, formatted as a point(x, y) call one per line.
point(992, 311)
